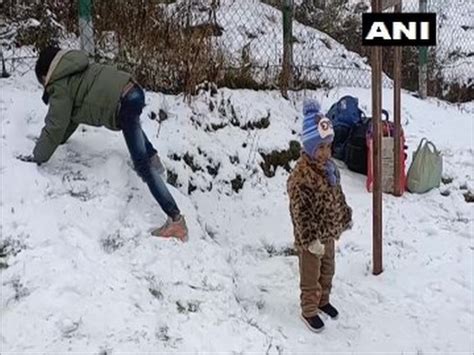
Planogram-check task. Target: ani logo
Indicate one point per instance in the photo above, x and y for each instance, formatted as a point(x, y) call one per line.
point(399, 29)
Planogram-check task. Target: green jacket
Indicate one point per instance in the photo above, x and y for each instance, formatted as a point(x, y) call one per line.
point(79, 92)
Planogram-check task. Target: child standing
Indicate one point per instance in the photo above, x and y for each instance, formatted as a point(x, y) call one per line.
point(319, 213)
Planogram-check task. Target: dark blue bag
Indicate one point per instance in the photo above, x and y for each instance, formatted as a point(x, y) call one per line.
point(344, 115)
point(355, 154)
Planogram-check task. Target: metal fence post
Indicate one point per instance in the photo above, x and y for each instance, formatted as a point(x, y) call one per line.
point(397, 98)
point(423, 61)
point(287, 46)
point(86, 28)
point(377, 227)
point(4, 69)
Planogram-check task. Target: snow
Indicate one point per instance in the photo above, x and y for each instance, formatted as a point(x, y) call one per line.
point(455, 37)
point(253, 29)
point(256, 29)
point(85, 276)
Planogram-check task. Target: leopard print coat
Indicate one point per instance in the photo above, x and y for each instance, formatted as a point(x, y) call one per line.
point(318, 210)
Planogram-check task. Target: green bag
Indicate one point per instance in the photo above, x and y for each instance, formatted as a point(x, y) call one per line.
point(426, 168)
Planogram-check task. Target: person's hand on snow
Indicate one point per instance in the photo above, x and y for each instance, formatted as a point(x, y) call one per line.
point(316, 248)
point(32, 138)
point(26, 158)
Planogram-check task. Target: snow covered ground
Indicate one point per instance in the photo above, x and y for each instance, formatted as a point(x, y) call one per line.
point(81, 273)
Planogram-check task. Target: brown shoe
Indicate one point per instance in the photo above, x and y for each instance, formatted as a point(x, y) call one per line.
point(173, 229)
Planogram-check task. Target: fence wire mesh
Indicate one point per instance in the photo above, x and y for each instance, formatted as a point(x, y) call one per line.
point(173, 46)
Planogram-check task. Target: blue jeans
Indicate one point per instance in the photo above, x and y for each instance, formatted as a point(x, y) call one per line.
point(141, 150)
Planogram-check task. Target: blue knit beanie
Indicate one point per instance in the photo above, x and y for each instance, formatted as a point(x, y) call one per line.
point(317, 129)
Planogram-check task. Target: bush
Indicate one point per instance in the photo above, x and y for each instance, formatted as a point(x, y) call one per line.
point(33, 24)
point(161, 44)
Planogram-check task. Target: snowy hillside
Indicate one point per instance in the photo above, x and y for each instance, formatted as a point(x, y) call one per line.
point(81, 273)
point(254, 30)
point(456, 39)
point(455, 42)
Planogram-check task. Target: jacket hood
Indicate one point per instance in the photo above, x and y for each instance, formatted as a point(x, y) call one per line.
point(66, 63)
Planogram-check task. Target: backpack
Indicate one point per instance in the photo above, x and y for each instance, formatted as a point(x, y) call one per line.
point(355, 155)
point(344, 115)
point(426, 168)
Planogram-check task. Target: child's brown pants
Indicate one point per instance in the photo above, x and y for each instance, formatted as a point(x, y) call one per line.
point(316, 275)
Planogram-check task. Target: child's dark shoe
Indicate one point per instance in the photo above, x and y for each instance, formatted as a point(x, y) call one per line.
point(315, 324)
point(330, 311)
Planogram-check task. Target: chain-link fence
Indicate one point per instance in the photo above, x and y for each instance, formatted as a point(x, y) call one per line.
point(449, 65)
point(173, 46)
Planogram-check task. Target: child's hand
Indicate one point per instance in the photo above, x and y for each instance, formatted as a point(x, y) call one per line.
point(316, 248)
point(350, 225)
